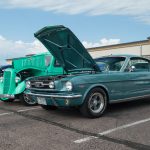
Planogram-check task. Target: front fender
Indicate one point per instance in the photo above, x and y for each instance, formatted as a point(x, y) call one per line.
point(94, 86)
point(20, 88)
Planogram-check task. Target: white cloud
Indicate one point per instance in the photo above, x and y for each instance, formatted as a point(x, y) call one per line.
point(102, 42)
point(2, 38)
point(13, 49)
point(136, 8)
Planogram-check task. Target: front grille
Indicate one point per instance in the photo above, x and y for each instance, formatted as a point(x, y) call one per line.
point(47, 78)
point(7, 77)
point(39, 84)
point(43, 82)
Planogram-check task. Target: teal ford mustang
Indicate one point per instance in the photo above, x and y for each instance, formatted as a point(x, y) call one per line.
point(87, 83)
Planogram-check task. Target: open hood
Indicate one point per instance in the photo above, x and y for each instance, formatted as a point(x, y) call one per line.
point(66, 48)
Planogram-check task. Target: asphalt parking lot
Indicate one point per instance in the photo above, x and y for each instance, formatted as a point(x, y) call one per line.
point(124, 126)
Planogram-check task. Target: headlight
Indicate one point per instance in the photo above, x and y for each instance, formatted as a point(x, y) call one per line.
point(51, 85)
point(17, 79)
point(1, 79)
point(28, 84)
point(69, 86)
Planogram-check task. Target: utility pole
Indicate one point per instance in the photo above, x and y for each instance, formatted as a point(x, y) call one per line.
point(141, 50)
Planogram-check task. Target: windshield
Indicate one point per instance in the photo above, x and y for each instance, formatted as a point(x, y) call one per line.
point(1, 71)
point(2, 68)
point(110, 63)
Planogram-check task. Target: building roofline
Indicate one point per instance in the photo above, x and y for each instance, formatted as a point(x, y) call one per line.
point(28, 55)
point(121, 45)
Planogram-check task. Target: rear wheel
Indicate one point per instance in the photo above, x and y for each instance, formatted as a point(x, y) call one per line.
point(95, 103)
point(27, 100)
point(49, 107)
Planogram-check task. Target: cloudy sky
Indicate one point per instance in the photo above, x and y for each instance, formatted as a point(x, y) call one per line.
point(95, 22)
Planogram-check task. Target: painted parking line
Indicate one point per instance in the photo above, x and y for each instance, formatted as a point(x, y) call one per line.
point(112, 130)
point(28, 109)
point(3, 114)
point(21, 110)
point(85, 139)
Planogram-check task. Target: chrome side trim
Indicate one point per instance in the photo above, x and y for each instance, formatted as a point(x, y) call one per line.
point(128, 99)
point(55, 96)
point(7, 96)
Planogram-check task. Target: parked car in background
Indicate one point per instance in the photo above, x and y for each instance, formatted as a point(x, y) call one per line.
point(12, 83)
point(2, 69)
point(89, 84)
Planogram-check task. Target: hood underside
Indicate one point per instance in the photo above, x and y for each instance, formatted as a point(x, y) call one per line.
point(66, 48)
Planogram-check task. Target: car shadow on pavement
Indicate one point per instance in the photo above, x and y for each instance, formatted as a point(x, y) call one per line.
point(113, 110)
point(15, 103)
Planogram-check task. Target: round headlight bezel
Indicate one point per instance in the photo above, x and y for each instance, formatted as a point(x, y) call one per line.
point(28, 84)
point(51, 85)
point(1, 79)
point(17, 79)
point(69, 86)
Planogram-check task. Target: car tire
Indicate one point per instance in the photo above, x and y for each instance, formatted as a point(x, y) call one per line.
point(49, 107)
point(94, 104)
point(27, 100)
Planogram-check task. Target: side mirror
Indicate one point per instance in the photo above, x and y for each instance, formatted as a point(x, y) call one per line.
point(132, 69)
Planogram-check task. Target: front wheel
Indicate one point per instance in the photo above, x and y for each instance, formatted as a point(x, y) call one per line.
point(27, 100)
point(49, 107)
point(94, 104)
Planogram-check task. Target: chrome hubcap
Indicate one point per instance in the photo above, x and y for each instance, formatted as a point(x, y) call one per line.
point(96, 102)
point(29, 100)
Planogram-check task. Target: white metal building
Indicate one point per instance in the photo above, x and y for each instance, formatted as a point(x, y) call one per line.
point(141, 48)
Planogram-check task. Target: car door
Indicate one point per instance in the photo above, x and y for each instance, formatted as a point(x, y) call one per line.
point(137, 75)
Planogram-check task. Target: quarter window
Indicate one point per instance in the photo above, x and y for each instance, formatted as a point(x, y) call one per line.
point(138, 65)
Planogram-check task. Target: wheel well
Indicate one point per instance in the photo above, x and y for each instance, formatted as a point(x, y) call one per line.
point(101, 87)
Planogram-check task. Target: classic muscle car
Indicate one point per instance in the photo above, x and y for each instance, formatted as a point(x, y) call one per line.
point(88, 84)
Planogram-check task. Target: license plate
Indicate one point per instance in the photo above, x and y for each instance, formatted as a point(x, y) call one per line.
point(41, 101)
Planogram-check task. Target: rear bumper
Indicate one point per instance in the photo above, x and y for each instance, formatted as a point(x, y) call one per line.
point(9, 96)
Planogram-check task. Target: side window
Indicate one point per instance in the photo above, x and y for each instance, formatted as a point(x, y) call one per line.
point(56, 64)
point(138, 65)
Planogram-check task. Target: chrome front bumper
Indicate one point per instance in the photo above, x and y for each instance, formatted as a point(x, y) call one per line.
point(69, 96)
point(7, 96)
